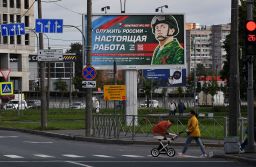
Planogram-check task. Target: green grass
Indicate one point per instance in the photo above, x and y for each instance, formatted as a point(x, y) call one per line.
point(74, 119)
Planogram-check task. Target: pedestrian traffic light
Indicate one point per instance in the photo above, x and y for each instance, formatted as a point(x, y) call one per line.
point(250, 39)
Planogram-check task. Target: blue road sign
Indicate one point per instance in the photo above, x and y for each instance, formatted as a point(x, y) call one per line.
point(49, 25)
point(89, 73)
point(13, 29)
point(6, 88)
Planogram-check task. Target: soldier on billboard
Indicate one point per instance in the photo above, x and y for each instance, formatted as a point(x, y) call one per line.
point(169, 50)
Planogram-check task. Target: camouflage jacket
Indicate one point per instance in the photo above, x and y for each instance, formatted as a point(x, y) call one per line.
point(172, 53)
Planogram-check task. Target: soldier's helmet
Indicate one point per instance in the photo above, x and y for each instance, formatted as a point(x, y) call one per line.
point(170, 20)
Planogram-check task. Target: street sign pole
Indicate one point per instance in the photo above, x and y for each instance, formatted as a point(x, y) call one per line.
point(88, 113)
point(42, 77)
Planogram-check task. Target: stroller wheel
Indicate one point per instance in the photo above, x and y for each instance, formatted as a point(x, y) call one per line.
point(155, 152)
point(171, 152)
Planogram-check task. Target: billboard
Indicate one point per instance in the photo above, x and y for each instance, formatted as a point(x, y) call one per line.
point(137, 41)
point(166, 77)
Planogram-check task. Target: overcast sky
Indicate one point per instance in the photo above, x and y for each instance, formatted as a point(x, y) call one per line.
point(204, 12)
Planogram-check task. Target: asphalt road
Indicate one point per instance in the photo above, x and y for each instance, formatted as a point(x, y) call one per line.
point(26, 150)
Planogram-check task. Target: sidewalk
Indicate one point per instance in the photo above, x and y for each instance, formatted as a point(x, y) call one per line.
point(79, 135)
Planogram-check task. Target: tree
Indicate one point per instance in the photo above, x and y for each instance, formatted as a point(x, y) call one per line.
point(77, 49)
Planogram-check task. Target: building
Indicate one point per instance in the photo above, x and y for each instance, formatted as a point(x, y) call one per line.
point(204, 46)
point(15, 50)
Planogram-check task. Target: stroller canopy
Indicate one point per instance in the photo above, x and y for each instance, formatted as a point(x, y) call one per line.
point(161, 128)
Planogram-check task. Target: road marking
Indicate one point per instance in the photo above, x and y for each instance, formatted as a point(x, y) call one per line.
point(76, 163)
point(2, 137)
point(43, 156)
point(39, 142)
point(72, 156)
point(103, 156)
point(13, 156)
point(133, 156)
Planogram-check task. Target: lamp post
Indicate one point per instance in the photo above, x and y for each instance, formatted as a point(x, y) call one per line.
point(122, 5)
point(105, 8)
point(195, 81)
point(161, 8)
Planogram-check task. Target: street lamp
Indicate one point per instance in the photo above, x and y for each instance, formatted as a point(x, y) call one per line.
point(105, 8)
point(122, 5)
point(161, 8)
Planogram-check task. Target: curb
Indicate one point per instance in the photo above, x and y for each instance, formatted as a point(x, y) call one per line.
point(250, 161)
point(99, 140)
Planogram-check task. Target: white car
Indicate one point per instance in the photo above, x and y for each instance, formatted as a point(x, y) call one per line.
point(15, 105)
point(77, 105)
point(152, 103)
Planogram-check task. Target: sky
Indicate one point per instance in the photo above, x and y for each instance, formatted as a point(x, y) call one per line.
point(203, 12)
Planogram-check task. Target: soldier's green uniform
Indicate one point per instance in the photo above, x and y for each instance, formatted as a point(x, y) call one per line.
point(172, 53)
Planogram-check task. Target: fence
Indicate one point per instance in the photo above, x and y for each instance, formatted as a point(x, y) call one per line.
point(117, 126)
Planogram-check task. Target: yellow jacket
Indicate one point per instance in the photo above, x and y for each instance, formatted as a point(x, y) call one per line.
point(193, 127)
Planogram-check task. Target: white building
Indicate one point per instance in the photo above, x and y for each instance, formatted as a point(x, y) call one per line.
point(204, 46)
point(15, 50)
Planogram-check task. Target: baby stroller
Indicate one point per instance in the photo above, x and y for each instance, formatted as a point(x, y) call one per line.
point(165, 139)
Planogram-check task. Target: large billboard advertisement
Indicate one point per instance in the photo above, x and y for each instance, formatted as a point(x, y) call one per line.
point(137, 41)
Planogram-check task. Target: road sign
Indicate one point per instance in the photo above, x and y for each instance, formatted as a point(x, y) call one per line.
point(89, 73)
point(6, 88)
point(50, 55)
point(114, 92)
point(49, 25)
point(88, 84)
point(13, 29)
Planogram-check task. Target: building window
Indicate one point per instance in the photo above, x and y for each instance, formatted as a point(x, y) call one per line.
point(27, 39)
point(26, 4)
point(5, 3)
point(5, 40)
point(5, 18)
point(18, 4)
point(18, 18)
point(11, 3)
point(12, 40)
point(11, 18)
point(26, 21)
point(19, 39)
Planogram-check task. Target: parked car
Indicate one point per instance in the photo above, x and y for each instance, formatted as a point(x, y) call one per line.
point(77, 105)
point(15, 105)
point(152, 103)
point(34, 103)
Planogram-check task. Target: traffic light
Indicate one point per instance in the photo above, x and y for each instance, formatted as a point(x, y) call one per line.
point(250, 39)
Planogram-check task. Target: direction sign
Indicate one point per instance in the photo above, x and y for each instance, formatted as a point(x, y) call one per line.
point(6, 88)
point(114, 92)
point(49, 25)
point(88, 84)
point(13, 29)
point(50, 55)
point(89, 73)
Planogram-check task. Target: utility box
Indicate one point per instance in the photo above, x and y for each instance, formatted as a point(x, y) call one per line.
point(231, 145)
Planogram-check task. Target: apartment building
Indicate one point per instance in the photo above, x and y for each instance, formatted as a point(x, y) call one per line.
point(204, 46)
point(15, 50)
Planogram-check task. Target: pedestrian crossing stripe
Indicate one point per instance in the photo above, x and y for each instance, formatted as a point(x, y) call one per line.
point(6, 88)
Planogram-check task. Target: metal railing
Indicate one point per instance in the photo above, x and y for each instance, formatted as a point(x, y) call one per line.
point(132, 127)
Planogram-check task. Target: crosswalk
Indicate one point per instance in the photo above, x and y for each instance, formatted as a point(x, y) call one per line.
point(74, 156)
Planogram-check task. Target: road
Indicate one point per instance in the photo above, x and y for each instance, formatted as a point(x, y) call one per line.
point(25, 150)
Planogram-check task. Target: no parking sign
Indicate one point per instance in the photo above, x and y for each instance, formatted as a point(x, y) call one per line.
point(89, 73)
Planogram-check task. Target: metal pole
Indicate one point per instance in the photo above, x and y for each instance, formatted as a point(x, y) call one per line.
point(88, 113)
point(250, 98)
point(42, 76)
point(234, 83)
point(114, 75)
point(70, 83)
point(194, 41)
